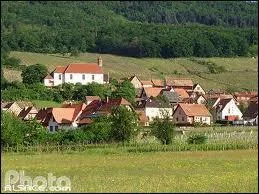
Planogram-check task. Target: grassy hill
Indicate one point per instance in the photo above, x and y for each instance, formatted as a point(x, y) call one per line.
point(240, 72)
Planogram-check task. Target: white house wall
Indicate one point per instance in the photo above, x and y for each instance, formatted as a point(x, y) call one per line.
point(234, 110)
point(151, 113)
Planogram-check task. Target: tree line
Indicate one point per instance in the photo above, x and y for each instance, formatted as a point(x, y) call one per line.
point(53, 27)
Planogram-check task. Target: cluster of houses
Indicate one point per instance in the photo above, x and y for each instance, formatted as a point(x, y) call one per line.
point(185, 101)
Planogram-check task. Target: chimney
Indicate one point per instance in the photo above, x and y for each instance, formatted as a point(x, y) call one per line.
point(100, 61)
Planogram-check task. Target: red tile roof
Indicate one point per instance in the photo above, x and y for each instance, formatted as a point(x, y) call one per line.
point(181, 92)
point(107, 106)
point(60, 69)
point(158, 82)
point(91, 108)
point(63, 115)
point(152, 91)
point(80, 68)
point(147, 82)
point(194, 109)
point(26, 111)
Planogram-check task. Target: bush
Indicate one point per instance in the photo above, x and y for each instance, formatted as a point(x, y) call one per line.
point(34, 73)
point(197, 139)
point(163, 129)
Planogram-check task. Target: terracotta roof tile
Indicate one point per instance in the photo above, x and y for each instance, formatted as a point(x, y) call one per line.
point(194, 109)
point(152, 91)
point(181, 92)
point(63, 115)
point(60, 69)
point(107, 106)
point(147, 82)
point(84, 68)
point(158, 82)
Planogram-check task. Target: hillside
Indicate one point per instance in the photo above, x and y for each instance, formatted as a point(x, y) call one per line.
point(239, 72)
point(136, 29)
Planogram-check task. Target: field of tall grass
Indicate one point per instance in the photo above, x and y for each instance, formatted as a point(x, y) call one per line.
point(190, 171)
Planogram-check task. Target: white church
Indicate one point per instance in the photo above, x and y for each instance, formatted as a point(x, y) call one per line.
point(83, 73)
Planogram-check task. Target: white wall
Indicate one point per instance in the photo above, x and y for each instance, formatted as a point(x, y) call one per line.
point(48, 82)
point(53, 124)
point(57, 81)
point(202, 119)
point(157, 112)
point(234, 110)
point(77, 78)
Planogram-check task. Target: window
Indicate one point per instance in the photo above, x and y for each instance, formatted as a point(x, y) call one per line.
point(71, 76)
point(198, 88)
point(92, 77)
point(51, 128)
point(182, 118)
point(56, 128)
point(200, 119)
point(229, 110)
point(176, 118)
point(83, 77)
point(59, 76)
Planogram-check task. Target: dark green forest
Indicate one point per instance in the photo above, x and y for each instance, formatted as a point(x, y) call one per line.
point(138, 29)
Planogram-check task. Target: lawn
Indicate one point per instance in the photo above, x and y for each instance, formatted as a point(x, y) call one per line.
point(241, 71)
point(43, 103)
point(208, 171)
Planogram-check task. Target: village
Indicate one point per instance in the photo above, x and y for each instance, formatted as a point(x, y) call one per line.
point(186, 103)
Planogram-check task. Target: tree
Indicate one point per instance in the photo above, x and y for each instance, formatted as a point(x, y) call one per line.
point(163, 129)
point(124, 123)
point(125, 90)
point(34, 73)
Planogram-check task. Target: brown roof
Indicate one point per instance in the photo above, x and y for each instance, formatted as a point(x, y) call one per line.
point(245, 94)
point(91, 108)
point(154, 103)
point(107, 106)
point(60, 69)
point(252, 110)
point(222, 103)
point(158, 82)
point(48, 77)
point(152, 91)
point(78, 108)
point(147, 82)
point(26, 111)
point(85, 121)
point(216, 96)
point(194, 109)
point(92, 98)
point(181, 92)
point(254, 99)
point(80, 68)
point(178, 82)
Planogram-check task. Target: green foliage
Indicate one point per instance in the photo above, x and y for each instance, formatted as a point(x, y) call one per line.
point(125, 90)
point(197, 139)
point(163, 129)
point(209, 29)
point(34, 73)
point(15, 131)
point(243, 107)
point(124, 124)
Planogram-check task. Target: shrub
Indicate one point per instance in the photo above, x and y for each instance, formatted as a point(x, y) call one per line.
point(34, 73)
point(163, 129)
point(197, 139)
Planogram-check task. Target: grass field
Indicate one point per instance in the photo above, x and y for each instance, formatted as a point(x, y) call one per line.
point(210, 171)
point(42, 104)
point(242, 72)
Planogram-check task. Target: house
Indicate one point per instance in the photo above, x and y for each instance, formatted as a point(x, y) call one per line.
point(216, 91)
point(198, 89)
point(89, 99)
point(11, 107)
point(147, 84)
point(183, 83)
point(226, 109)
point(251, 115)
point(172, 97)
point(28, 113)
point(182, 93)
point(135, 81)
point(158, 83)
point(191, 113)
point(155, 108)
point(196, 97)
point(151, 91)
point(244, 96)
point(89, 113)
point(142, 118)
point(83, 73)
